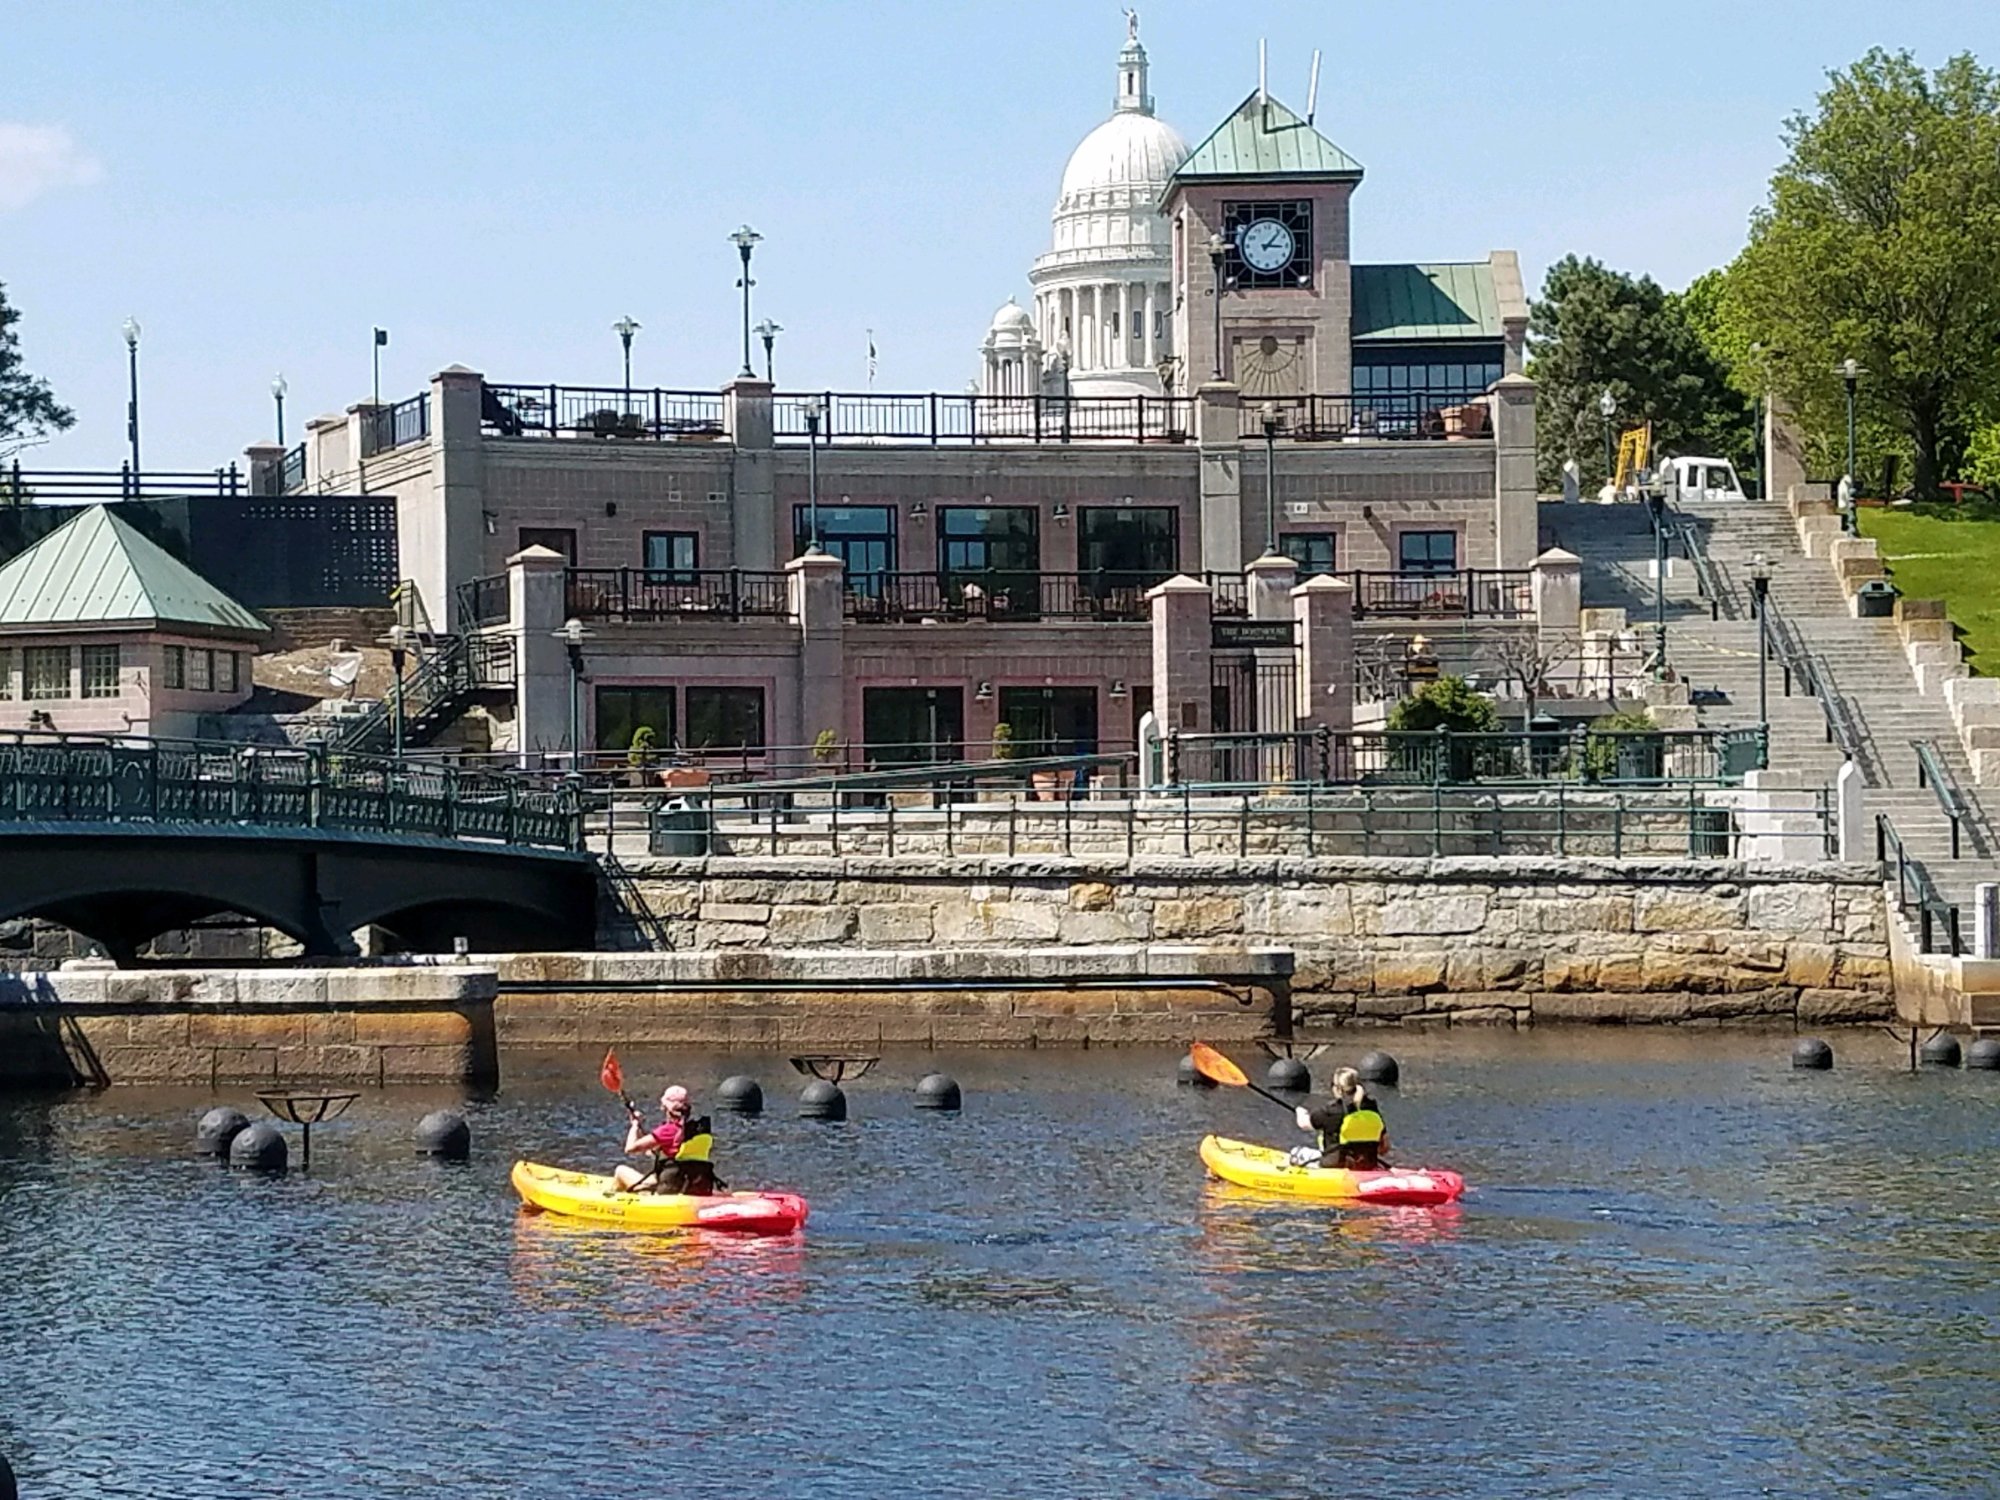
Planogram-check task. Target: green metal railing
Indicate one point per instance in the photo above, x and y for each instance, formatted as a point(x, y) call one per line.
point(84, 779)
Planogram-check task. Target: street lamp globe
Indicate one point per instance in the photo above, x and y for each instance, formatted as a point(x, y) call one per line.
point(1607, 406)
point(279, 388)
point(625, 328)
point(131, 333)
point(1850, 370)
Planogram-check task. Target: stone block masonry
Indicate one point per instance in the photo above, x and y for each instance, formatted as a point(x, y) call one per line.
point(1411, 942)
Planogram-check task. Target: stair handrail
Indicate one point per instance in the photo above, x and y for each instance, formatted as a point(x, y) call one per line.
point(1816, 677)
point(1916, 890)
point(631, 899)
point(440, 674)
point(1708, 582)
point(1932, 772)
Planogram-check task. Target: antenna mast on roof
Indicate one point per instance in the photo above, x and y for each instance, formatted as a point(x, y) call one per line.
point(1263, 93)
point(1312, 90)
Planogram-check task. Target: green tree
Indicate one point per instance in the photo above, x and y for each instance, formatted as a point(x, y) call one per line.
point(28, 408)
point(1447, 703)
point(1880, 242)
point(1595, 329)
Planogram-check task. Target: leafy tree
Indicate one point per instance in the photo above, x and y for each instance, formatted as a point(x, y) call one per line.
point(1982, 459)
point(1595, 329)
point(1881, 243)
point(27, 406)
point(1447, 703)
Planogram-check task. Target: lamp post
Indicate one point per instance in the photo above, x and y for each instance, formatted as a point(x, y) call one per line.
point(1217, 249)
point(1757, 420)
point(625, 328)
point(815, 412)
point(744, 240)
point(381, 343)
point(399, 648)
point(572, 635)
point(132, 403)
point(1269, 415)
point(1656, 502)
point(1607, 408)
point(768, 331)
point(278, 389)
point(1850, 375)
point(1760, 590)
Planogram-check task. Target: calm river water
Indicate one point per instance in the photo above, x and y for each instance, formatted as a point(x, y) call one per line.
point(1683, 1270)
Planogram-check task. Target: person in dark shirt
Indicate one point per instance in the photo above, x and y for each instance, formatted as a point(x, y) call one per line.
point(1349, 1126)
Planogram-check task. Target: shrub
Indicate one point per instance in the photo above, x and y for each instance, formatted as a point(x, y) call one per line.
point(1612, 735)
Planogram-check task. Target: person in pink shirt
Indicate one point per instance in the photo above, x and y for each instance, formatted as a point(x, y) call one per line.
point(662, 1141)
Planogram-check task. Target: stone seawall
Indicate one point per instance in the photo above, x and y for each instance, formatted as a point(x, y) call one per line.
point(1376, 941)
point(89, 1023)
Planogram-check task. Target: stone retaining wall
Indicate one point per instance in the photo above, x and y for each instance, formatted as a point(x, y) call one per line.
point(89, 1023)
point(1412, 942)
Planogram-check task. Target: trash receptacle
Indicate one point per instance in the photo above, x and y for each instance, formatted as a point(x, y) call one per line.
point(1875, 599)
point(680, 831)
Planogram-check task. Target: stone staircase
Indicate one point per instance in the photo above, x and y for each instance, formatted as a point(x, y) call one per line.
point(1863, 660)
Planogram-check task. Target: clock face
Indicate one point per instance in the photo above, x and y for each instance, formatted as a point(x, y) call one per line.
point(1265, 245)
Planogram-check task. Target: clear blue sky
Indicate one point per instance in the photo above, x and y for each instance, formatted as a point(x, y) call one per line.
point(496, 182)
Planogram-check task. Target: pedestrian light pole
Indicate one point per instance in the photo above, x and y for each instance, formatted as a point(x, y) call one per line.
point(1656, 502)
point(278, 389)
point(1218, 250)
point(1850, 375)
point(1607, 408)
point(1760, 592)
point(745, 239)
point(381, 343)
point(399, 649)
point(1269, 416)
point(573, 635)
point(625, 328)
point(132, 401)
point(768, 331)
point(815, 413)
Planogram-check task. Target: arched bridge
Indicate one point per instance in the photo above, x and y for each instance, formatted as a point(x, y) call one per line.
point(123, 840)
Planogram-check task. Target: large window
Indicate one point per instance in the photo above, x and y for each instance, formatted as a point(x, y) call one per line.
point(1449, 373)
point(100, 671)
point(1128, 545)
point(227, 668)
point(623, 711)
point(1427, 552)
point(1312, 551)
point(863, 537)
point(995, 551)
point(913, 725)
point(45, 670)
point(672, 556)
point(200, 671)
point(6, 673)
point(556, 538)
point(1051, 720)
point(725, 718)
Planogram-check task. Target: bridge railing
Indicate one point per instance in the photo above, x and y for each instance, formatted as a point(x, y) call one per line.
point(58, 778)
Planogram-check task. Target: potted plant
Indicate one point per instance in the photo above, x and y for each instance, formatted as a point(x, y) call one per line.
point(1004, 747)
point(826, 746)
point(1620, 747)
point(1448, 704)
point(639, 755)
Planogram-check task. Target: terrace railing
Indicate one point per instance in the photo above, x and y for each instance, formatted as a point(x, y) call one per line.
point(386, 428)
point(19, 486)
point(634, 594)
point(483, 601)
point(601, 412)
point(997, 596)
point(1470, 594)
point(1374, 416)
point(935, 419)
point(101, 779)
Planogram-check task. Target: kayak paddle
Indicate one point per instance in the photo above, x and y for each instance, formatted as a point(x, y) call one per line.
point(1213, 1066)
point(613, 1078)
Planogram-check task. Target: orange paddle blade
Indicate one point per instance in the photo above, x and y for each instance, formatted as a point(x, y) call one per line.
point(1215, 1067)
point(611, 1075)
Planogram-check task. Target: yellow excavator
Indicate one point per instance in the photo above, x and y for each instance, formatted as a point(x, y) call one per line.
point(1635, 453)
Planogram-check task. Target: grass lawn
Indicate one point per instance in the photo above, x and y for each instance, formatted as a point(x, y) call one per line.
point(1937, 552)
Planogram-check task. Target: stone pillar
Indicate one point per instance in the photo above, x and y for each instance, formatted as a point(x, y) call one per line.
point(814, 588)
point(456, 527)
point(536, 607)
point(1516, 521)
point(1324, 610)
point(1124, 360)
point(1555, 581)
point(266, 462)
point(1216, 415)
point(326, 453)
point(1851, 818)
point(754, 523)
point(1986, 920)
point(1511, 298)
point(1147, 305)
point(1270, 580)
point(1784, 450)
point(1181, 675)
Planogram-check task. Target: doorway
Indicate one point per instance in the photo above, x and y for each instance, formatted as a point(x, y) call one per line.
point(912, 726)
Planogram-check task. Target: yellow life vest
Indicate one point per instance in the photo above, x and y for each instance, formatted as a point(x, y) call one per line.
point(1359, 1127)
point(698, 1144)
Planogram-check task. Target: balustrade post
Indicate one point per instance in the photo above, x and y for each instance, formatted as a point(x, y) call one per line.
point(1038, 399)
point(555, 413)
point(315, 782)
point(972, 424)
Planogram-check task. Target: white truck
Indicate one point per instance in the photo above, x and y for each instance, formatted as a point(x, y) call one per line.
point(1701, 478)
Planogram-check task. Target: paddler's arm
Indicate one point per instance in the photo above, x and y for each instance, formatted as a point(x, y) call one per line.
point(638, 1139)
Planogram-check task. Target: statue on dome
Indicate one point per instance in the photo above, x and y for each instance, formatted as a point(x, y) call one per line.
point(1131, 24)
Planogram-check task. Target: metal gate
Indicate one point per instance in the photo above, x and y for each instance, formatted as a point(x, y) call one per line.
point(1253, 702)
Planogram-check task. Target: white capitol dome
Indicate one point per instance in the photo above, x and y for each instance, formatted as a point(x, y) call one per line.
point(1128, 150)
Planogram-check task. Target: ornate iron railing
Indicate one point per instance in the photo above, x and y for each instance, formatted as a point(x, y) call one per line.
point(71, 778)
point(1389, 415)
point(631, 594)
point(601, 412)
point(997, 595)
point(1468, 594)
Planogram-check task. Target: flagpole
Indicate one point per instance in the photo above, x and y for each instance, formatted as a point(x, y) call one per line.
point(871, 361)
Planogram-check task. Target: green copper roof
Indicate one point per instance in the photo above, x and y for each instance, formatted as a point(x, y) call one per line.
point(98, 570)
point(1267, 140)
point(1425, 302)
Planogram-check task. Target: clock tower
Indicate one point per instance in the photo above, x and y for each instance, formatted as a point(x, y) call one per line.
point(1259, 223)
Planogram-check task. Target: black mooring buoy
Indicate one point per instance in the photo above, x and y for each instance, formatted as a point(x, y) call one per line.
point(217, 1129)
point(259, 1148)
point(1289, 1076)
point(741, 1093)
point(821, 1100)
point(444, 1133)
point(8, 1490)
point(1941, 1051)
point(1984, 1054)
point(1378, 1067)
point(938, 1091)
point(1812, 1054)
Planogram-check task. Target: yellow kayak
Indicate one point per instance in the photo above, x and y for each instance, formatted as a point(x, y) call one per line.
point(1271, 1170)
point(583, 1195)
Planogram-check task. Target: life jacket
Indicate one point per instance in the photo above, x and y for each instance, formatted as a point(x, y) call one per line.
point(1362, 1127)
point(697, 1141)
